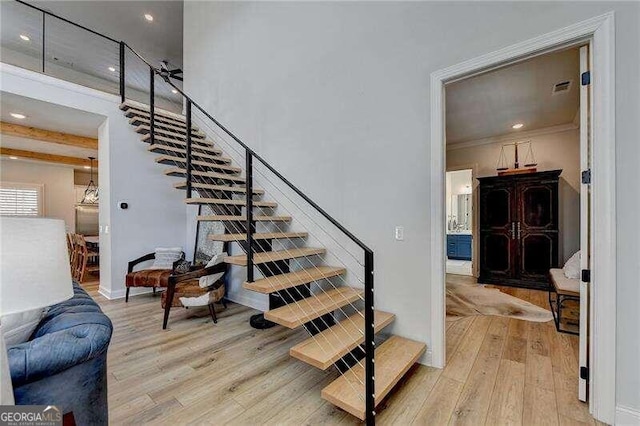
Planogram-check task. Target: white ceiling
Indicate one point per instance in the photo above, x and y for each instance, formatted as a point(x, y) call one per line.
point(488, 105)
point(44, 115)
point(124, 20)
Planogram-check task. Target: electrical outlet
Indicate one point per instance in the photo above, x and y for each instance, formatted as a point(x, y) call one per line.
point(400, 233)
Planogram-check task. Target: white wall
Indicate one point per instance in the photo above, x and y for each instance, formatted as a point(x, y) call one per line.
point(127, 171)
point(59, 192)
point(553, 150)
point(336, 96)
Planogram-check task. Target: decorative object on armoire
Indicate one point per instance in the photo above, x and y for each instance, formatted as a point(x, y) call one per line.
point(91, 193)
point(28, 285)
point(529, 160)
point(519, 229)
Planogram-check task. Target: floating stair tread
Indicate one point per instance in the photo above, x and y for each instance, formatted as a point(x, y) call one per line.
point(296, 314)
point(272, 256)
point(229, 218)
point(227, 202)
point(177, 171)
point(138, 121)
point(196, 144)
point(392, 360)
point(258, 236)
point(159, 148)
point(326, 348)
point(145, 130)
point(136, 115)
point(212, 187)
point(182, 159)
point(130, 104)
point(164, 159)
point(292, 279)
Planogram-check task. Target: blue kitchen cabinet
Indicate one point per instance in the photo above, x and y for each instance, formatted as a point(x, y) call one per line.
point(459, 246)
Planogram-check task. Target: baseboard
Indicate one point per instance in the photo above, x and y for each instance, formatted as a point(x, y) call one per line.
point(427, 358)
point(627, 416)
point(242, 299)
point(121, 292)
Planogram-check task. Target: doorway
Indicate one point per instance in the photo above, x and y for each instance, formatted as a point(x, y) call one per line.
point(460, 221)
point(597, 33)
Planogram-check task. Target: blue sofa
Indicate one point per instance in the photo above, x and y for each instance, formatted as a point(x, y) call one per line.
point(65, 361)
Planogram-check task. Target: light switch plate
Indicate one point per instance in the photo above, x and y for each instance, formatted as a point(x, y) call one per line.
point(400, 233)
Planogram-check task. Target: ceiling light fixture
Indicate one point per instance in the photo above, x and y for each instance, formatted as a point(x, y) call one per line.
point(91, 193)
point(18, 115)
point(87, 167)
point(24, 37)
point(174, 91)
point(112, 69)
point(148, 17)
point(13, 157)
point(518, 126)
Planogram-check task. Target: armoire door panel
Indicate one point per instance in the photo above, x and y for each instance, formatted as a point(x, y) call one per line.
point(538, 254)
point(538, 207)
point(497, 259)
point(497, 204)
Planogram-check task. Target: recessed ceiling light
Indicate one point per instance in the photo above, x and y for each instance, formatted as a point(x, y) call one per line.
point(148, 17)
point(13, 157)
point(18, 115)
point(112, 69)
point(518, 126)
point(174, 91)
point(87, 167)
point(24, 37)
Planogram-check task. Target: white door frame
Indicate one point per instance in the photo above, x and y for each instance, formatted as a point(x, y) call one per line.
point(599, 32)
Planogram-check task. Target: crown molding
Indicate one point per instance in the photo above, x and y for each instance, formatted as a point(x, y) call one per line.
point(511, 137)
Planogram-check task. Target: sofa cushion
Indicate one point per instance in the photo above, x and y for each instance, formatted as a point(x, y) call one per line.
point(148, 278)
point(72, 332)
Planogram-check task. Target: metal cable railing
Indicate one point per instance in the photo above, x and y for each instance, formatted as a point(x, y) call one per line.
point(101, 62)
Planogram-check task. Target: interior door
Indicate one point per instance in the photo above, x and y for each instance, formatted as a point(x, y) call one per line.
point(497, 231)
point(585, 220)
point(536, 229)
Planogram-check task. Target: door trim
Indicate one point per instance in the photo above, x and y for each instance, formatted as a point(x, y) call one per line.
point(600, 33)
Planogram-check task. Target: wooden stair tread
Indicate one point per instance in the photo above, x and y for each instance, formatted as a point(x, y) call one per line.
point(139, 106)
point(326, 348)
point(272, 256)
point(159, 148)
point(146, 129)
point(296, 314)
point(258, 236)
point(292, 279)
point(202, 144)
point(177, 171)
point(182, 159)
point(392, 360)
point(230, 218)
point(136, 115)
point(164, 159)
point(227, 202)
point(239, 189)
point(138, 121)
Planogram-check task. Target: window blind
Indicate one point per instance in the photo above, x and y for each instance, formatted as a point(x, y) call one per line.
point(20, 200)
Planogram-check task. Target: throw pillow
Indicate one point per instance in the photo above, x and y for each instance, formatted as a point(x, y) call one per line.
point(183, 267)
point(165, 257)
point(571, 269)
point(209, 280)
point(17, 328)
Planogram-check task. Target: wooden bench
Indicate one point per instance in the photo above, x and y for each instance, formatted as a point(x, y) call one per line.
point(562, 290)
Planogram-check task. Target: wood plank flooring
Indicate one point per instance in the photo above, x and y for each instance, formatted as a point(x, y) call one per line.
point(500, 371)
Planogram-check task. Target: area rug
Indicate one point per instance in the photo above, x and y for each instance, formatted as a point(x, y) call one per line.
point(464, 300)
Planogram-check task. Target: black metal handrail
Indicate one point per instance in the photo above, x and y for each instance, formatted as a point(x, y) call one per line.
point(369, 333)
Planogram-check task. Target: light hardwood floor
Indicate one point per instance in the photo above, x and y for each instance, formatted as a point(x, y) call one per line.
point(500, 371)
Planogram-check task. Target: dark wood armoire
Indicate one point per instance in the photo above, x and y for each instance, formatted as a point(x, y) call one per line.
point(519, 229)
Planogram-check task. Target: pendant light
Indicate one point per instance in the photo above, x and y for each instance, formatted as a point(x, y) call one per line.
point(91, 193)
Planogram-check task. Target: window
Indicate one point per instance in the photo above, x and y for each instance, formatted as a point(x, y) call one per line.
point(21, 199)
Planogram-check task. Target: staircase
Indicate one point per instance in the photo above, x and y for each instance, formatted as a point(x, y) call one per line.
point(332, 314)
